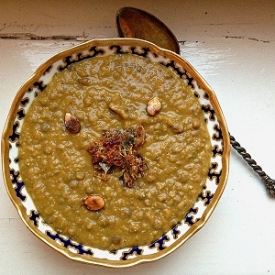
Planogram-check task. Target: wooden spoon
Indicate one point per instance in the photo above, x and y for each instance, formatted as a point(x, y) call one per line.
point(135, 23)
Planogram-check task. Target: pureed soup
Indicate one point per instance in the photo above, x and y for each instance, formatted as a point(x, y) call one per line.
point(115, 151)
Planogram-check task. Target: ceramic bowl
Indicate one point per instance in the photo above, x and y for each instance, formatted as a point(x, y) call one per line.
point(197, 215)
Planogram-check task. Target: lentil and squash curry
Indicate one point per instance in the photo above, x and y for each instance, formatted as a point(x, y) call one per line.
point(115, 151)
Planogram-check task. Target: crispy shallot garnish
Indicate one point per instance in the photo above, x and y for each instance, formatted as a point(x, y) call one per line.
point(119, 149)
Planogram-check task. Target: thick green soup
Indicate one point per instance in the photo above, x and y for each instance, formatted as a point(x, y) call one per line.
point(121, 129)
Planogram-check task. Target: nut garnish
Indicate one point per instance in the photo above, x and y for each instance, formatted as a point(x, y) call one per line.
point(153, 106)
point(72, 124)
point(93, 202)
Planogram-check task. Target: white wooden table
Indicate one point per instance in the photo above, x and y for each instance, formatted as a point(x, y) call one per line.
point(232, 45)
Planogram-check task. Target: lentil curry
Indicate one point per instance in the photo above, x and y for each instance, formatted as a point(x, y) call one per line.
point(161, 153)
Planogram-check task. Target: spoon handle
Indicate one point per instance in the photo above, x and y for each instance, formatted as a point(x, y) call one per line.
point(268, 182)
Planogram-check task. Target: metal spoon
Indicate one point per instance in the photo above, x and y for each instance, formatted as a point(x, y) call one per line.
point(136, 23)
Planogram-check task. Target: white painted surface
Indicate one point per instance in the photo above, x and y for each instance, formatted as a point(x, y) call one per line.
point(232, 45)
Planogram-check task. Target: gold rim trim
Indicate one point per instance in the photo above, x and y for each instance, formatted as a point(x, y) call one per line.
point(143, 258)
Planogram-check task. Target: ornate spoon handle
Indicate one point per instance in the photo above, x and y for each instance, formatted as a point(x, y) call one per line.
point(268, 182)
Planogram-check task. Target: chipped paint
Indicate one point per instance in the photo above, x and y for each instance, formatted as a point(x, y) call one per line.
point(248, 38)
point(31, 36)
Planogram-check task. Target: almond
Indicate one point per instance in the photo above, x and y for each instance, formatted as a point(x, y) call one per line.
point(72, 124)
point(93, 202)
point(153, 106)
